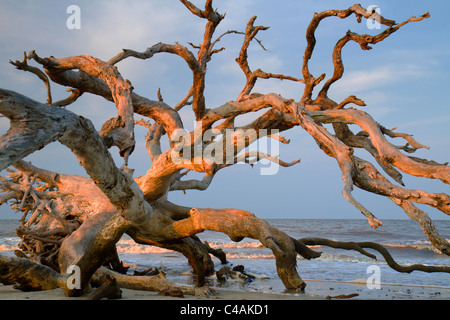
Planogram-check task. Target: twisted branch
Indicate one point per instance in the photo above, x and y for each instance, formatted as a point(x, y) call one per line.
point(360, 246)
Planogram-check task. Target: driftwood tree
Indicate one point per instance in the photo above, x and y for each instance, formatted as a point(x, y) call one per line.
point(71, 221)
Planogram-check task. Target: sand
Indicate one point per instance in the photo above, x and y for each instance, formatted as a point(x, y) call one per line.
point(316, 290)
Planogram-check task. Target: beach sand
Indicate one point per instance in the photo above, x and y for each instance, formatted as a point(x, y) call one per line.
point(316, 290)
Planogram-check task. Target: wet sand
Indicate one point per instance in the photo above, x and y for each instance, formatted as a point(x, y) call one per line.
point(316, 290)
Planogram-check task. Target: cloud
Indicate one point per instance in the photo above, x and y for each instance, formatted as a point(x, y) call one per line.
point(358, 81)
point(113, 25)
point(427, 122)
point(375, 78)
point(4, 125)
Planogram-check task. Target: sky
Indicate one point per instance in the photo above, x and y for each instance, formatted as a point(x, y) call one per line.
point(404, 81)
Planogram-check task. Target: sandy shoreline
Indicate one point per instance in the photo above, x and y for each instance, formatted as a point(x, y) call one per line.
point(316, 290)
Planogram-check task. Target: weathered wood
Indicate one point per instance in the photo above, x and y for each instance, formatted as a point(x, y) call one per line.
point(218, 253)
point(158, 283)
point(28, 275)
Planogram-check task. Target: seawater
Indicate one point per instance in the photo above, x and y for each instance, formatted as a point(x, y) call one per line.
point(403, 238)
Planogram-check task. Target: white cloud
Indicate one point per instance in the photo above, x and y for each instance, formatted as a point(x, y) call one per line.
point(113, 25)
point(358, 81)
point(369, 79)
point(4, 125)
point(427, 122)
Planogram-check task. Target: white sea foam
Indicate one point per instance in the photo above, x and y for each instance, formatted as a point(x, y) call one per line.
point(235, 245)
point(7, 247)
point(9, 243)
point(417, 245)
point(129, 246)
point(241, 255)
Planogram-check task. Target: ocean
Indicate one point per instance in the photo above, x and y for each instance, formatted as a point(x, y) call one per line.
point(403, 238)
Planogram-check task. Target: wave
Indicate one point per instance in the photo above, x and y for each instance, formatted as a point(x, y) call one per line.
point(417, 245)
point(347, 258)
point(241, 255)
point(129, 246)
point(9, 243)
point(7, 247)
point(235, 245)
point(255, 250)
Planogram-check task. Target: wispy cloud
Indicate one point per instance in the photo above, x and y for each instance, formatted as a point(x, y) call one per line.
point(358, 81)
point(426, 122)
point(113, 25)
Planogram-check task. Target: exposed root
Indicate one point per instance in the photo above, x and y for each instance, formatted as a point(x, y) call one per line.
point(359, 246)
point(109, 290)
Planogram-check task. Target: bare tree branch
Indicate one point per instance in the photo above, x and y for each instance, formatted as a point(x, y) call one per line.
point(23, 65)
point(359, 246)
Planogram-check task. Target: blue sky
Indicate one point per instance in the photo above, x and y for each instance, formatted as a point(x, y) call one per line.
point(403, 80)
